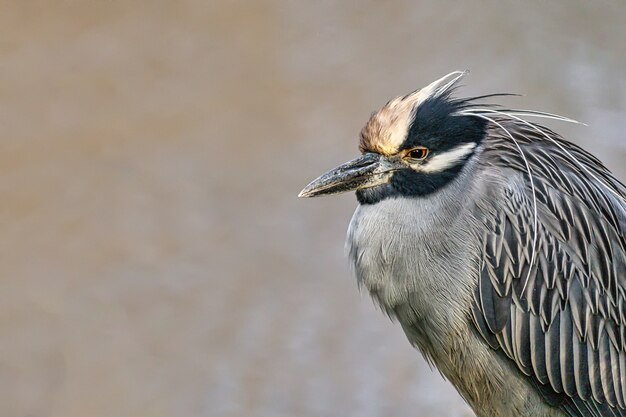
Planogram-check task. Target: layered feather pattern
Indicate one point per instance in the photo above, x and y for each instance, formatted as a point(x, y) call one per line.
point(556, 308)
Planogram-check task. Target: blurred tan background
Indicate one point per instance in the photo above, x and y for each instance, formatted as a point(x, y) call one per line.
point(155, 260)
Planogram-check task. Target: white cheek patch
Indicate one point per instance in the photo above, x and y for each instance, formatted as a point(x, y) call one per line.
point(442, 161)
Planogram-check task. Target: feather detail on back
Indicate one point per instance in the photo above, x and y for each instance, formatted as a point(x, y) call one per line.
point(552, 293)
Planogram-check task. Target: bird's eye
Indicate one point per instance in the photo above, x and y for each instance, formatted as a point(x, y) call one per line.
point(417, 153)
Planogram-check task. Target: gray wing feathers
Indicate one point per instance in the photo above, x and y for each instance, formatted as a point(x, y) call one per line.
point(564, 323)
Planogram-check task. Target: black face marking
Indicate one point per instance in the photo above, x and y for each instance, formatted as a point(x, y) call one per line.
point(436, 128)
point(375, 194)
point(409, 183)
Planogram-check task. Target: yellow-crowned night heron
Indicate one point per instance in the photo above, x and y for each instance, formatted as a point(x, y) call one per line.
point(498, 246)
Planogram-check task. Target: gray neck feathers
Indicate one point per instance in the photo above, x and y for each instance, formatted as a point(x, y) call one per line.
point(417, 255)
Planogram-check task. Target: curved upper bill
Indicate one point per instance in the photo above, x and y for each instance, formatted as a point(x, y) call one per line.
point(365, 171)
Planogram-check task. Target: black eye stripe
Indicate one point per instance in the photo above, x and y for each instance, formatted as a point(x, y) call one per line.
point(436, 127)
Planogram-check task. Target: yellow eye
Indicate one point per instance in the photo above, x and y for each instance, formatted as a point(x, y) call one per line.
point(417, 153)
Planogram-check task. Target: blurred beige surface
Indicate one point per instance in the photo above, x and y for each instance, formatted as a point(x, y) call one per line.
point(154, 258)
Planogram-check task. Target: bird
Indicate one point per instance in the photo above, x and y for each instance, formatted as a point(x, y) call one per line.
point(497, 245)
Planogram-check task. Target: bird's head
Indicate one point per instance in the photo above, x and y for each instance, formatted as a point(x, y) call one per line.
point(413, 146)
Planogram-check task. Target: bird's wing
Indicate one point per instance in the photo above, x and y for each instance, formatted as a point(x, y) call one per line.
point(560, 315)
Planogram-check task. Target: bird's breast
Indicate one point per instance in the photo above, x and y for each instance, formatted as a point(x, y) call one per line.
point(421, 266)
point(408, 254)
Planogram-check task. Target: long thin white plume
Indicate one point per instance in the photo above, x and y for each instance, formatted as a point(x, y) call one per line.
point(532, 187)
point(457, 76)
point(535, 113)
point(524, 112)
point(544, 134)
